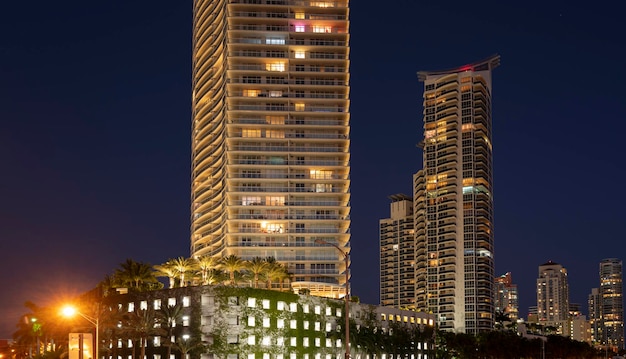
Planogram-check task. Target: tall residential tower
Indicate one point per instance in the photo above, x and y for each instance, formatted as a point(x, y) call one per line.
point(270, 135)
point(611, 296)
point(454, 199)
point(552, 293)
point(397, 254)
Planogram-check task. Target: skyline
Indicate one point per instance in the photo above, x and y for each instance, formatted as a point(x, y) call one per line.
point(83, 114)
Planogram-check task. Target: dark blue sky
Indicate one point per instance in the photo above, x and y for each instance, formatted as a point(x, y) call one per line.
point(95, 119)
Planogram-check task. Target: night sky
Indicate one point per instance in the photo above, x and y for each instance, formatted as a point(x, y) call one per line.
point(95, 125)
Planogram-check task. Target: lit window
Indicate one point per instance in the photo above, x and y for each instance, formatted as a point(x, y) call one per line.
point(185, 321)
point(317, 309)
point(299, 28)
point(157, 304)
point(319, 28)
point(274, 134)
point(251, 321)
point(292, 341)
point(320, 174)
point(274, 201)
point(250, 201)
point(280, 305)
point(306, 325)
point(299, 107)
point(317, 326)
point(250, 355)
point(143, 305)
point(275, 120)
point(186, 301)
point(131, 307)
point(251, 93)
point(266, 322)
point(328, 327)
point(251, 340)
point(275, 41)
point(276, 94)
point(293, 307)
point(322, 3)
point(305, 342)
point(305, 308)
point(266, 341)
point(329, 343)
point(251, 301)
point(248, 132)
point(293, 324)
point(318, 342)
point(280, 323)
point(300, 54)
point(275, 66)
point(300, 15)
point(329, 311)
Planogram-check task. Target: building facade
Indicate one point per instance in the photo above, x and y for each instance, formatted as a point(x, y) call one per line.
point(611, 296)
point(595, 316)
point(552, 293)
point(397, 254)
point(454, 199)
point(506, 297)
point(270, 136)
point(223, 322)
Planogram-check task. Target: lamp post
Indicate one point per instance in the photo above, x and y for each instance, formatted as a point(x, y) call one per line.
point(346, 258)
point(69, 311)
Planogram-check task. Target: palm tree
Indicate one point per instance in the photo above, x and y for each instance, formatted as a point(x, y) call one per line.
point(257, 267)
point(140, 326)
point(233, 265)
point(135, 275)
point(168, 269)
point(167, 317)
point(206, 265)
point(184, 346)
point(183, 266)
point(275, 272)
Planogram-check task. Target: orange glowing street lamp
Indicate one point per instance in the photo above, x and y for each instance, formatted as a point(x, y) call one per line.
point(71, 311)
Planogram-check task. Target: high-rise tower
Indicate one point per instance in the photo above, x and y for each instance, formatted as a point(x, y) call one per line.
point(454, 199)
point(506, 300)
point(397, 254)
point(611, 296)
point(552, 293)
point(270, 135)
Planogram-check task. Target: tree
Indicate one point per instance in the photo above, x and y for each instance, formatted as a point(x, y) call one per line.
point(168, 269)
point(167, 317)
point(276, 272)
point(257, 267)
point(183, 266)
point(233, 266)
point(136, 276)
point(139, 325)
point(206, 267)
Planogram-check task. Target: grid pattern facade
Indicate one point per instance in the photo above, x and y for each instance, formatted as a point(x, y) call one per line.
point(397, 255)
point(456, 199)
point(612, 302)
point(270, 135)
point(552, 293)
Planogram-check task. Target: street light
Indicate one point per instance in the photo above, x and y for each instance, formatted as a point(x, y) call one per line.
point(70, 311)
point(346, 299)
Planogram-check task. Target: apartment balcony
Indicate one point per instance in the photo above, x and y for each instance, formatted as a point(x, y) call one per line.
point(265, 95)
point(326, 122)
point(328, 163)
point(291, 149)
point(333, 217)
point(297, 135)
point(303, 29)
point(287, 108)
point(272, 42)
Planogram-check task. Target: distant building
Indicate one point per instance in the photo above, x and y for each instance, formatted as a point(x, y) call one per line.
point(397, 254)
point(612, 302)
point(552, 293)
point(506, 296)
point(453, 198)
point(595, 316)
